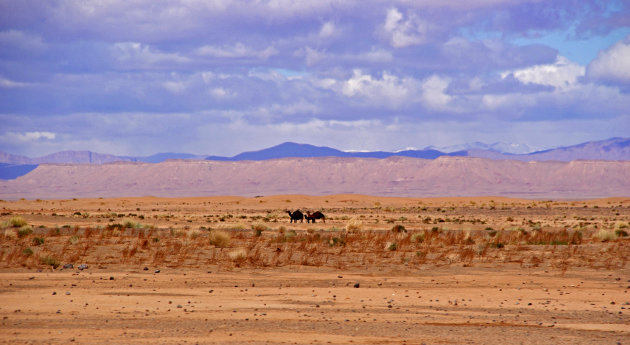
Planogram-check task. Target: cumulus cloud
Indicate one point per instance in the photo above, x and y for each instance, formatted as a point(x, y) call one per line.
point(389, 91)
point(561, 74)
point(403, 31)
point(612, 64)
point(434, 94)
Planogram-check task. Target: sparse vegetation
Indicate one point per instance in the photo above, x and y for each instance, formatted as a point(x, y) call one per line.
point(354, 225)
point(220, 239)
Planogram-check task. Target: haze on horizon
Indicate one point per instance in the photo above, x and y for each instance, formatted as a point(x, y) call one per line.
point(222, 77)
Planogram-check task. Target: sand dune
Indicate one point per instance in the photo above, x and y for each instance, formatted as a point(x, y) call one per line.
point(396, 176)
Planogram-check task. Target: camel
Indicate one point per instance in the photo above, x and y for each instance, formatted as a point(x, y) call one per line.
point(316, 215)
point(295, 216)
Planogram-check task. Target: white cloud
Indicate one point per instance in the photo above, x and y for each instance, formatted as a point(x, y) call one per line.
point(561, 74)
point(28, 136)
point(433, 92)
point(222, 93)
point(136, 54)
point(236, 51)
point(327, 30)
point(403, 32)
point(390, 90)
point(11, 84)
point(612, 64)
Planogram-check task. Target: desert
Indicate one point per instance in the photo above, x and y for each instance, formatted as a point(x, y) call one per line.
point(379, 270)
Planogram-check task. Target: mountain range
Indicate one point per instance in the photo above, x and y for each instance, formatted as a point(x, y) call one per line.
point(392, 176)
point(13, 166)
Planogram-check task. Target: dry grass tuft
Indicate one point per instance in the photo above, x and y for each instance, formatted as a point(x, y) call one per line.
point(220, 239)
point(17, 222)
point(354, 225)
point(605, 235)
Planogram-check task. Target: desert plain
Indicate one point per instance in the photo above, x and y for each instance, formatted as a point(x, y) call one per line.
point(379, 270)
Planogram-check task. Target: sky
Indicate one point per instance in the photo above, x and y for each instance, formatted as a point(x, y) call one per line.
point(219, 77)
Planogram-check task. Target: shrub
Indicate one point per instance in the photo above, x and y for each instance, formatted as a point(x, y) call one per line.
point(17, 222)
point(621, 233)
point(258, 228)
point(37, 241)
point(50, 261)
point(290, 234)
point(24, 231)
point(193, 233)
point(27, 251)
point(418, 237)
point(398, 228)
point(73, 239)
point(219, 238)
point(354, 225)
point(337, 241)
point(605, 235)
point(238, 256)
point(391, 246)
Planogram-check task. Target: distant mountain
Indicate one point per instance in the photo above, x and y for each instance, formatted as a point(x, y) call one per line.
point(393, 176)
point(294, 150)
point(610, 149)
point(14, 159)
point(500, 147)
point(161, 157)
point(70, 157)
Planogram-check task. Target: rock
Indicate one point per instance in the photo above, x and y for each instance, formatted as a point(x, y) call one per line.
point(54, 293)
point(68, 266)
point(82, 267)
point(67, 292)
point(157, 271)
point(111, 278)
point(145, 269)
point(357, 285)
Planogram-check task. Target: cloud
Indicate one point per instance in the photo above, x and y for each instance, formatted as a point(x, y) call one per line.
point(139, 55)
point(613, 64)
point(28, 136)
point(236, 51)
point(403, 32)
point(561, 74)
point(433, 92)
point(7, 83)
point(388, 91)
point(327, 30)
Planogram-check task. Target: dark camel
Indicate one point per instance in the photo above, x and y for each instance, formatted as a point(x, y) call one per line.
point(295, 216)
point(313, 216)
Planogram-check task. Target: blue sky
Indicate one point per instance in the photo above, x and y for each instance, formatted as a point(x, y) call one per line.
point(221, 77)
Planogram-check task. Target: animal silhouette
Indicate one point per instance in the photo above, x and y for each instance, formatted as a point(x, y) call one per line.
point(315, 215)
point(295, 216)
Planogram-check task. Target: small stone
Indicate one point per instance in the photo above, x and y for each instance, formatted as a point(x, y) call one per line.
point(357, 285)
point(145, 269)
point(179, 306)
point(111, 278)
point(157, 271)
point(67, 292)
point(68, 266)
point(82, 267)
point(54, 293)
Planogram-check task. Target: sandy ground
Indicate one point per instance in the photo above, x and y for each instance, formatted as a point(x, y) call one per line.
point(305, 289)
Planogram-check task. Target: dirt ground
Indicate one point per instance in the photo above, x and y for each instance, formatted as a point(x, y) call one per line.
point(231, 270)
